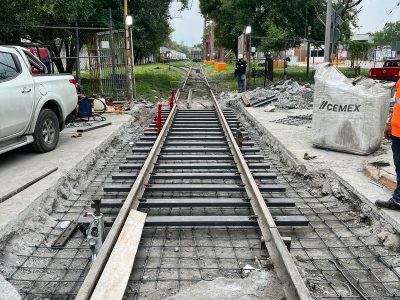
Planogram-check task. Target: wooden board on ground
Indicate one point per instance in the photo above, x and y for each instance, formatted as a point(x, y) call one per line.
point(115, 276)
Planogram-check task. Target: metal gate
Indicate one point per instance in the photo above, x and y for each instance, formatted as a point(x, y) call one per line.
point(107, 64)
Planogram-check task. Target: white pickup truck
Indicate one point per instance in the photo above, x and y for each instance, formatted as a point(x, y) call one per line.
point(33, 107)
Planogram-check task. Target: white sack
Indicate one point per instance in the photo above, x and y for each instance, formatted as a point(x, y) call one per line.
point(349, 118)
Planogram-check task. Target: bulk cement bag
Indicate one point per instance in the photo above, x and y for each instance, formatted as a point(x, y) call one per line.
point(349, 115)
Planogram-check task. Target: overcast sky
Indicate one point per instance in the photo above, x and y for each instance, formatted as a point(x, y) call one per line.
point(188, 25)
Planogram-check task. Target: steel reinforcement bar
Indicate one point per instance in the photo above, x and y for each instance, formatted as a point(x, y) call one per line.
point(131, 202)
point(294, 286)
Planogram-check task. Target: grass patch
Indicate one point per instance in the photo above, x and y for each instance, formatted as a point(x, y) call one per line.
point(181, 63)
point(226, 81)
point(152, 80)
point(156, 80)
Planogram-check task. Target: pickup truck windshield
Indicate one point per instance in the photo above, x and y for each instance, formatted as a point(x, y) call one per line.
point(8, 67)
point(395, 63)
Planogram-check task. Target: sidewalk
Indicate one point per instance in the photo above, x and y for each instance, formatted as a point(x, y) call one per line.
point(21, 166)
point(351, 170)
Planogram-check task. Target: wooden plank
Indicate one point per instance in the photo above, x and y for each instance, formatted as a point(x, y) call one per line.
point(114, 279)
point(131, 202)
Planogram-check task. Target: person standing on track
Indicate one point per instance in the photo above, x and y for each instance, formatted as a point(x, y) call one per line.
point(240, 72)
point(392, 132)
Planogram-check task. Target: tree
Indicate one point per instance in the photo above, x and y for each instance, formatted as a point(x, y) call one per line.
point(150, 28)
point(389, 34)
point(267, 17)
point(358, 49)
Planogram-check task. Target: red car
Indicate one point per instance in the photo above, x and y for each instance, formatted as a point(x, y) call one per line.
point(390, 71)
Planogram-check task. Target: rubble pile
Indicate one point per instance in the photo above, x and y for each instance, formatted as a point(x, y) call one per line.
point(289, 94)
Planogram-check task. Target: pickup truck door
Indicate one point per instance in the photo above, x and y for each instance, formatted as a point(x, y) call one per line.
point(16, 96)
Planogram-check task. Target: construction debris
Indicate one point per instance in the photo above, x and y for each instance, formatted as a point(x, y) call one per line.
point(284, 94)
point(270, 108)
point(308, 156)
point(296, 120)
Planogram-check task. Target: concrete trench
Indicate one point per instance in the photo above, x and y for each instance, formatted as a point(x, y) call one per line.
point(347, 228)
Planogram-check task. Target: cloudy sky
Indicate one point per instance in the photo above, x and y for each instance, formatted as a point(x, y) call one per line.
point(188, 25)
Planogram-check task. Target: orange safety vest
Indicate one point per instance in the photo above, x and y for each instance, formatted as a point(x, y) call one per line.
point(395, 122)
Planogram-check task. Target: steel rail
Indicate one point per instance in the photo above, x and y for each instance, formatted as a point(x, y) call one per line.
point(293, 285)
point(187, 77)
point(131, 202)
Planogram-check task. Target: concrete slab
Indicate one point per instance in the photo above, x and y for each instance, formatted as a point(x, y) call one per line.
point(21, 166)
point(348, 168)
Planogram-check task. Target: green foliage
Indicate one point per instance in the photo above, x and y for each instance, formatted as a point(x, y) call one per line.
point(275, 39)
point(283, 23)
point(389, 34)
point(358, 49)
point(150, 29)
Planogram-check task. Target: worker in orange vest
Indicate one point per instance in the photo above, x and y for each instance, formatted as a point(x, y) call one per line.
point(392, 131)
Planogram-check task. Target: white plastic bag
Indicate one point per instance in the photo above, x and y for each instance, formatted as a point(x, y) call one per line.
point(349, 116)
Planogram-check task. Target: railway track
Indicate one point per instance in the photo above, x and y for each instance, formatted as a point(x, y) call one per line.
point(194, 175)
point(208, 203)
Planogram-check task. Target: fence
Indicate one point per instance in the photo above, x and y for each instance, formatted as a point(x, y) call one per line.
point(94, 55)
point(107, 63)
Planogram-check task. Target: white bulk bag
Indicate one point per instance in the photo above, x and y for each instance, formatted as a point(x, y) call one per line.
point(349, 116)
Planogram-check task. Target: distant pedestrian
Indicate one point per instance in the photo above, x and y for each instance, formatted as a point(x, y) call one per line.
point(392, 132)
point(240, 72)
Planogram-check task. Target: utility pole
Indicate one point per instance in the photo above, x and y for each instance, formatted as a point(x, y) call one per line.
point(328, 39)
point(128, 54)
point(77, 53)
point(308, 49)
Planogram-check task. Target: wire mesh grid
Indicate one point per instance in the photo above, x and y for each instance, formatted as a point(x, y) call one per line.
point(46, 273)
point(338, 253)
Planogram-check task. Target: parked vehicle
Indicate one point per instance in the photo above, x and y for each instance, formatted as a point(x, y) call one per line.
point(390, 71)
point(44, 55)
point(33, 104)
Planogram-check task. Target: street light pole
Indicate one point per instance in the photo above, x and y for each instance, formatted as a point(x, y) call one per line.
point(128, 52)
point(248, 32)
point(308, 50)
point(328, 39)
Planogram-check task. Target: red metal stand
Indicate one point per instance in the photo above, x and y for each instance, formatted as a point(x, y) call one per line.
point(171, 99)
point(159, 118)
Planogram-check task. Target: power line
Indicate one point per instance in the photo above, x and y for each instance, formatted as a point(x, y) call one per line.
point(387, 18)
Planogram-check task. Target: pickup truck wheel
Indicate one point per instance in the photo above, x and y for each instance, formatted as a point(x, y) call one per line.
point(47, 132)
